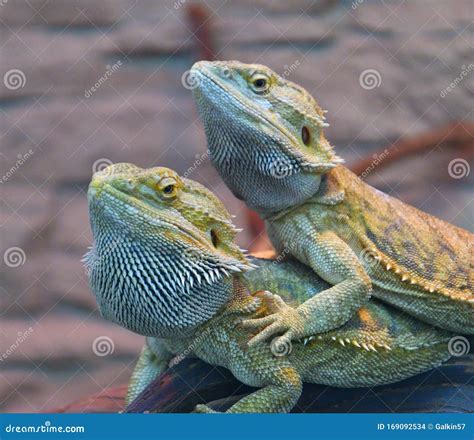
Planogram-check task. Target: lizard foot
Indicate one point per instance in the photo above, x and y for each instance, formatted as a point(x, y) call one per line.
point(204, 409)
point(282, 319)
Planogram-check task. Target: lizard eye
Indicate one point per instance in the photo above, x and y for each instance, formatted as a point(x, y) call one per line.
point(168, 188)
point(305, 135)
point(260, 83)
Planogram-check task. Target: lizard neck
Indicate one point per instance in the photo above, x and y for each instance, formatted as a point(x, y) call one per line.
point(311, 188)
point(328, 192)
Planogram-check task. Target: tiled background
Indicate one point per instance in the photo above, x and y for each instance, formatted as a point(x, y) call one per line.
point(55, 130)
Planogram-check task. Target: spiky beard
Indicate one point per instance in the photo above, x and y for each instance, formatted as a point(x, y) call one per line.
point(154, 290)
point(149, 284)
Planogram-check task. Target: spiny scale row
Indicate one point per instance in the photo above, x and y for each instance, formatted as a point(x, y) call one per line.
point(368, 347)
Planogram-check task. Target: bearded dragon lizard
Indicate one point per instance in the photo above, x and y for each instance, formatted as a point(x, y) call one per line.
point(164, 264)
point(265, 137)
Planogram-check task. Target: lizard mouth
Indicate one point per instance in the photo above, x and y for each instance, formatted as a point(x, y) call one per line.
point(204, 74)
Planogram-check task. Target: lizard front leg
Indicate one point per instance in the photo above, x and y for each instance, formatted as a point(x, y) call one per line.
point(154, 359)
point(334, 261)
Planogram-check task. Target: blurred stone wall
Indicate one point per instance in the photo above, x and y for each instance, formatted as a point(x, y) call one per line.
point(87, 83)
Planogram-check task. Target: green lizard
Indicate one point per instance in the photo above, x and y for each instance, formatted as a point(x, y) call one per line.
point(265, 137)
point(164, 264)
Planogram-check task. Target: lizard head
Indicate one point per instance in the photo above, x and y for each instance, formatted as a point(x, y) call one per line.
point(163, 250)
point(265, 133)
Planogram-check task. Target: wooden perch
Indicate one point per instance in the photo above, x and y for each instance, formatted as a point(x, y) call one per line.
point(458, 136)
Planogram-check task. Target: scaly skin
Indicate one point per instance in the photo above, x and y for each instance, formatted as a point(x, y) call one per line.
point(265, 137)
point(164, 264)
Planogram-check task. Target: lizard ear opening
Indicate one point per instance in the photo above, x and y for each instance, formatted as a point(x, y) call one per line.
point(305, 135)
point(214, 238)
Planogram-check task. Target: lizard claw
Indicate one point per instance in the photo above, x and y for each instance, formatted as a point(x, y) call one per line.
point(284, 319)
